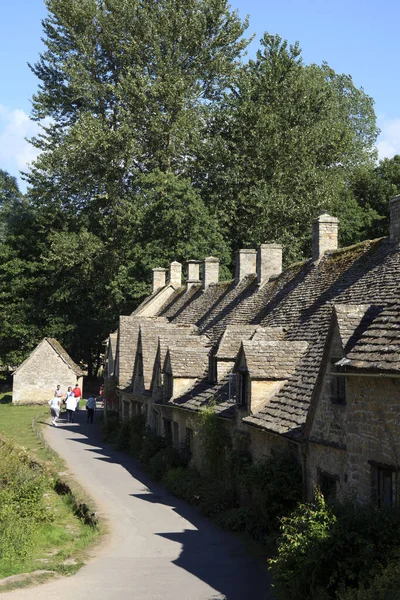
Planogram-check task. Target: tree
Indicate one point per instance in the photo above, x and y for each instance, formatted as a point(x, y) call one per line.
point(284, 145)
point(9, 189)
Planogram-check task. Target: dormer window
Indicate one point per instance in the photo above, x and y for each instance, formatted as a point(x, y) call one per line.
point(243, 388)
point(140, 365)
point(168, 386)
point(338, 384)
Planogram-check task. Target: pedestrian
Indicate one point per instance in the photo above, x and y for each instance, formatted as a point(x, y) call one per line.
point(55, 406)
point(90, 407)
point(58, 392)
point(77, 393)
point(70, 405)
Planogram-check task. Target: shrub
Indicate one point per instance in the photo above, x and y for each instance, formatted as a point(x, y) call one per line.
point(166, 458)
point(325, 551)
point(151, 444)
point(384, 586)
point(183, 483)
point(274, 487)
point(215, 443)
point(22, 509)
point(110, 425)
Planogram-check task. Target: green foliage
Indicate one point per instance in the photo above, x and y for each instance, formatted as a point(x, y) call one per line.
point(274, 485)
point(165, 459)
point(385, 585)
point(215, 443)
point(22, 485)
point(324, 550)
point(283, 145)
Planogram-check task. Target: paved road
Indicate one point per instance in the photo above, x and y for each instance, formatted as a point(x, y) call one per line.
point(159, 548)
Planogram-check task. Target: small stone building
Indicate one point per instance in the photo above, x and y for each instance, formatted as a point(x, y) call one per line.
point(47, 366)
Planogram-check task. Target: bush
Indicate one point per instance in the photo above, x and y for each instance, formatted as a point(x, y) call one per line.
point(216, 444)
point(384, 586)
point(167, 458)
point(151, 444)
point(274, 486)
point(22, 509)
point(110, 425)
point(325, 551)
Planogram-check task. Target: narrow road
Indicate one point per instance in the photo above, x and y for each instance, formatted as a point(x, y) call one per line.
point(159, 548)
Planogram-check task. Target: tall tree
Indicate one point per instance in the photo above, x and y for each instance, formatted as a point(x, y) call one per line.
point(284, 145)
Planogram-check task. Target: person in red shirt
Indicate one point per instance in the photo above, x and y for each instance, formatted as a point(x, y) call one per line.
point(77, 393)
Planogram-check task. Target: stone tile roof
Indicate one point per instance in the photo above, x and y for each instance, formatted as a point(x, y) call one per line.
point(231, 339)
point(271, 360)
point(378, 347)
point(63, 354)
point(151, 331)
point(349, 318)
point(202, 393)
point(300, 301)
point(189, 361)
point(128, 331)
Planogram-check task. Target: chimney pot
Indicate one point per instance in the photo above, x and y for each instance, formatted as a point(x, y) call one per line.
point(210, 271)
point(324, 235)
point(159, 278)
point(394, 209)
point(193, 273)
point(175, 274)
point(246, 263)
point(269, 261)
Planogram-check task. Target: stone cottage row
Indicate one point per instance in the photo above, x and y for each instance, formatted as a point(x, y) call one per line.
point(307, 358)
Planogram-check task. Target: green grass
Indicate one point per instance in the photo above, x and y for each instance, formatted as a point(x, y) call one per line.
point(60, 543)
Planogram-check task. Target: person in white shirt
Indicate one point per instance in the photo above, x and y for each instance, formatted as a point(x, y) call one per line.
point(55, 407)
point(70, 405)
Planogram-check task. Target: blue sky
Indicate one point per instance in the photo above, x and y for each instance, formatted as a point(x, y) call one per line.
point(356, 37)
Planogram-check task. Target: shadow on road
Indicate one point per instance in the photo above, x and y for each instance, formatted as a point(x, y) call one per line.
point(222, 560)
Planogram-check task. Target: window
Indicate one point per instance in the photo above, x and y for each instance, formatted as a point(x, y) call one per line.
point(168, 386)
point(338, 384)
point(175, 435)
point(140, 365)
point(212, 368)
point(384, 480)
point(327, 485)
point(232, 387)
point(168, 429)
point(156, 420)
point(189, 439)
point(242, 388)
point(125, 409)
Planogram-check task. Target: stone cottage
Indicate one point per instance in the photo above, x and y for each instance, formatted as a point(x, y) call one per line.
point(307, 358)
point(47, 366)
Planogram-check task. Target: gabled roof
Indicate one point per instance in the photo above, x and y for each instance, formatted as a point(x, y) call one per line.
point(351, 318)
point(59, 350)
point(378, 347)
point(232, 337)
point(271, 360)
point(190, 362)
point(150, 333)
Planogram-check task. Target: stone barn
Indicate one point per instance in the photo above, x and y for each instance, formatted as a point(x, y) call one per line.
point(47, 366)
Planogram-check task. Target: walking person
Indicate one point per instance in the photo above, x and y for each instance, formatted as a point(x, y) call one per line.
point(55, 407)
point(77, 393)
point(70, 405)
point(90, 407)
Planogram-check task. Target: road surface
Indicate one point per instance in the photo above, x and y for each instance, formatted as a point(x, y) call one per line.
point(158, 548)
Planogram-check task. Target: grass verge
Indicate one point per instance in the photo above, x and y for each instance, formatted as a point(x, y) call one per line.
point(65, 526)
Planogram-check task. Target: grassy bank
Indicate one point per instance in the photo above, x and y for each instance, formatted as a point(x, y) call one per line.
point(43, 521)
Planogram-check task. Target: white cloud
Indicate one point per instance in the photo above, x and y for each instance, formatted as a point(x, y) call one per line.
point(389, 140)
point(15, 152)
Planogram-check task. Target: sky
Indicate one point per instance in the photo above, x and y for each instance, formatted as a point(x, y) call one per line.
point(356, 37)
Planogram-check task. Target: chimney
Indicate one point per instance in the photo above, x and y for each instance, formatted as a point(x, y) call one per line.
point(269, 261)
point(193, 273)
point(159, 278)
point(324, 235)
point(394, 209)
point(210, 271)
point(245, 263)
point(175, 274)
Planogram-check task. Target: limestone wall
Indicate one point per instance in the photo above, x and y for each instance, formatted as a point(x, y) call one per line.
point(37, 378)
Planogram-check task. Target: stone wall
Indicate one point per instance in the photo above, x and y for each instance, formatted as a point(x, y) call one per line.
point(373, 429)
point(37, 378)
